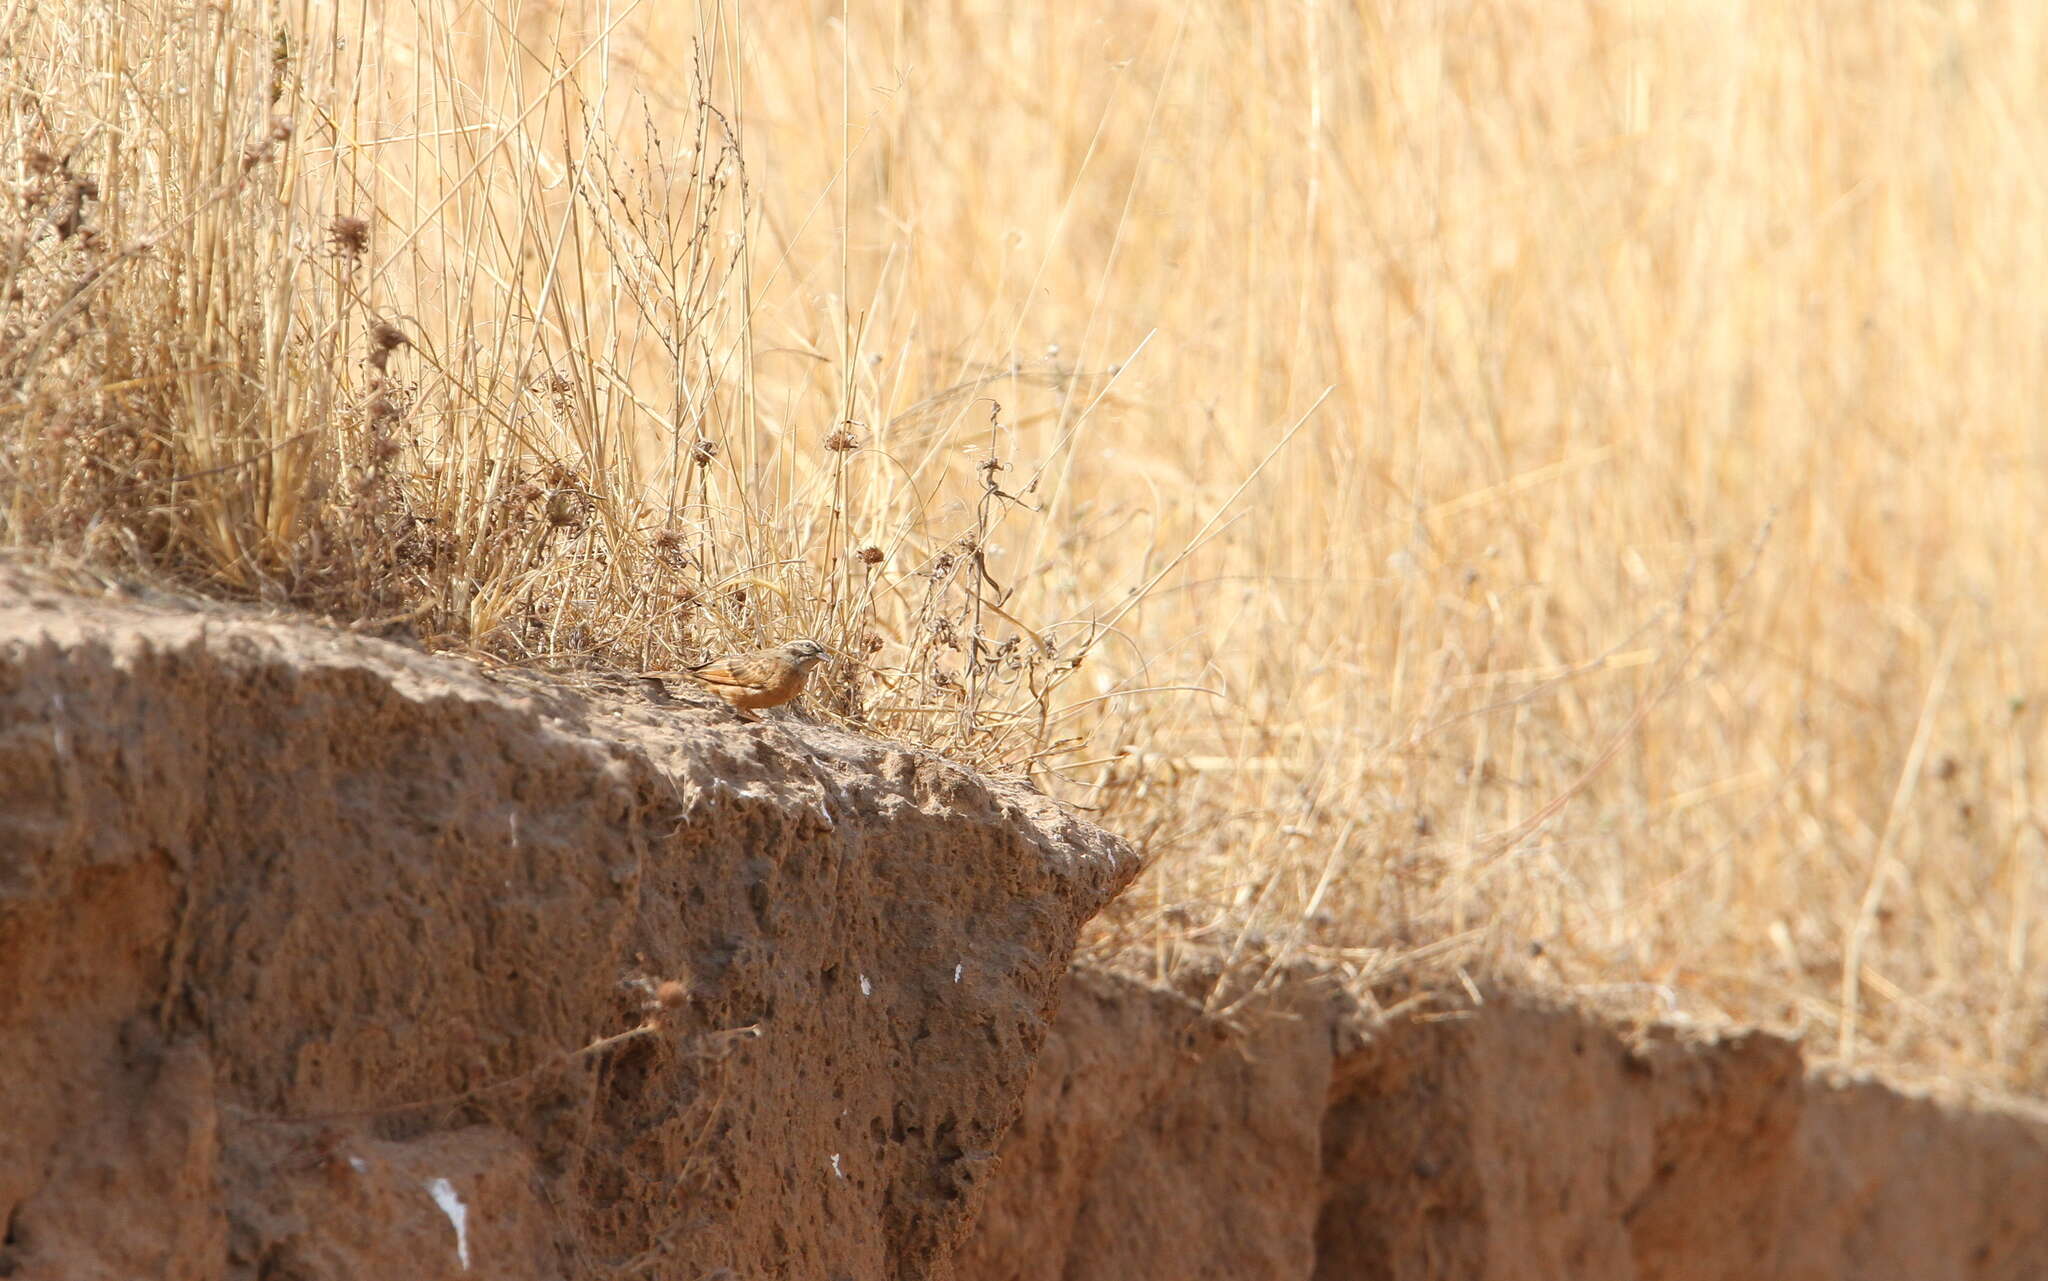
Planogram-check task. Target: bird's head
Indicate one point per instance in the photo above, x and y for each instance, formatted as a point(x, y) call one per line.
point(804, 653)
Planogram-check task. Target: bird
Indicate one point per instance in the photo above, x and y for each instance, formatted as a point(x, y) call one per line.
point(763, 678)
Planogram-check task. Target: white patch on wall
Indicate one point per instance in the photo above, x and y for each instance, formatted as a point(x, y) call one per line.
point(451, 1205)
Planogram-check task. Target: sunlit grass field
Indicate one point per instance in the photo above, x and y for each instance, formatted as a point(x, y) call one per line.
point(1542, 491)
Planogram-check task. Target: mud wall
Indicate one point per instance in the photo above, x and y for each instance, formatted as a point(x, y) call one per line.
point(1511, 1140)
point(301, 934)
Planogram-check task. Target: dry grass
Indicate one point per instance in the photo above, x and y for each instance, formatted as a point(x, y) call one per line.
point(1639, 403)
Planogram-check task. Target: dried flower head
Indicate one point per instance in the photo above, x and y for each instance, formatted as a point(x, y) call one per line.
point(869, 555)
point(703, 451)
point(842, 441)
point(349, 235)
point(70, 216)
point(383, 409)
point(264, 149)
point(385, 338)
point(565, 508)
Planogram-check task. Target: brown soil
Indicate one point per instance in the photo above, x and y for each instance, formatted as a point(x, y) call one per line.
point(303, 936)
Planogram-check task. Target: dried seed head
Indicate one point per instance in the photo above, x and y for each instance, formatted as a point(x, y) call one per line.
point(869, 555)
point(842, 441)
point(565, 507)
point(668, 539)
point(383, 409)
point(264, 149)
point(385, 338)
point(703, 451)
point(672, 994)
point(942, 565)
point(71, 214)
point(349, 235)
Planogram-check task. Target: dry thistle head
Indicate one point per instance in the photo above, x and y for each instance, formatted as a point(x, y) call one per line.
point(385, 338)
point(703, 451)
point(56, 187)
point(383, 410)
point(71, 217)
point(842, 441)
point(565, 508)
point(383, 445)
point(870, 555)
point(349, 235)
point(557, 387)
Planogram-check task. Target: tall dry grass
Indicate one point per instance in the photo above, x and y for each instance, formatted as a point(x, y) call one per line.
point(1541, 487)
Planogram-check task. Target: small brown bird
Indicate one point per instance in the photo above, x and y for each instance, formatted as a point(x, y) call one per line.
point(764, 678)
